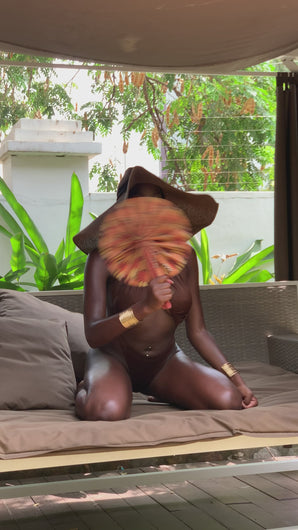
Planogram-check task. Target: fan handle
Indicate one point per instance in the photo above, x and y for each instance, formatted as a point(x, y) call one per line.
point(150, 261)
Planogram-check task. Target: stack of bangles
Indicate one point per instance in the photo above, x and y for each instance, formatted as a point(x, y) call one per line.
point(128, 319)
point(229, 369)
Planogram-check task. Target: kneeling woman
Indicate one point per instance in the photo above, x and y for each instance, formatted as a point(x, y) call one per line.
point(132, 337)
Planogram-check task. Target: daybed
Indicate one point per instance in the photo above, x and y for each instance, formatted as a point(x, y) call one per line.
point(42, 358)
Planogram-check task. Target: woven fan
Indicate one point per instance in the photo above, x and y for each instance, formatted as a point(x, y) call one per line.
point(143, 238)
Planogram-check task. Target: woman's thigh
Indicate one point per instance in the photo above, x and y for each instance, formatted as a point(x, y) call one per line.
point(106, 391)
point(191, 385)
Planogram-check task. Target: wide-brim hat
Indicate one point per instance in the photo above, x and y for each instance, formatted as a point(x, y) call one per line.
point(200, 208)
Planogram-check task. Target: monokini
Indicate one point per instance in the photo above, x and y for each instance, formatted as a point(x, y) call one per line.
point(158, 343)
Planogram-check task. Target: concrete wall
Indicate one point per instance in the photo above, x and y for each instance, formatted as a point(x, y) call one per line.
point(242, 218)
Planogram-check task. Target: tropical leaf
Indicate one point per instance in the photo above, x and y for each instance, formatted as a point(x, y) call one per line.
point(60, 252)
point(76, 259)
point(12, 225)
point(46, 272)
point(8, 285)
point(13, 275)
point(23, 217)
point(253, 249)
point(254, 276)
point(251, 263)
point(5, 232)
point(206, 263)
point(249, 267)
point(33, 254)
point(18, 257)
point(48, 268)
point(78, 284)
point(202, 252)
point(197, 247)
point(75, 214)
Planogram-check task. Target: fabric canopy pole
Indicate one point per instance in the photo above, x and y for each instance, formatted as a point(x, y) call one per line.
point(286, 179)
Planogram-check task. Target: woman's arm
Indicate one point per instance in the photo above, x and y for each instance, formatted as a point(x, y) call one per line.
point(203, 342)
point(99, 328)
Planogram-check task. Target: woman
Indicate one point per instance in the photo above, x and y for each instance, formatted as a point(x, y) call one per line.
point(132, 337)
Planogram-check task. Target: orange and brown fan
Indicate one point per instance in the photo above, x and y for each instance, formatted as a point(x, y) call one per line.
point(143, 238)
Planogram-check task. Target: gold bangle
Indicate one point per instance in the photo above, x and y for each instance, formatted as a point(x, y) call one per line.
point(128, 318)
point(229, 369)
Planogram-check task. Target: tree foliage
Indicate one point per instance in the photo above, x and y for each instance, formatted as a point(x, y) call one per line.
point(27, 92)
point(211, 132)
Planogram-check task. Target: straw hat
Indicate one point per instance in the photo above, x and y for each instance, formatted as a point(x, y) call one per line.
point(201, 209)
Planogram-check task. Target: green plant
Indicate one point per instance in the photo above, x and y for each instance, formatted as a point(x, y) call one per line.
point(107, 176)
point(62, 270)
point(248, 267)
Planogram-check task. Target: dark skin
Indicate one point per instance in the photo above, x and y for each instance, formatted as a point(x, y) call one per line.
point(145, 357)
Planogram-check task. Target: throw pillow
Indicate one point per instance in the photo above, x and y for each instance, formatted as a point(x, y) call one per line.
point(36, 368)
point(19, 304)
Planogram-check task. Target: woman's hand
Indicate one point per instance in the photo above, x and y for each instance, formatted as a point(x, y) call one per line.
point(248, 399)
point(158, 293)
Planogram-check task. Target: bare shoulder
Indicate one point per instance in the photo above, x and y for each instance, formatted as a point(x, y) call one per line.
point(96, 272)
point(95, 261)
point(192, 263)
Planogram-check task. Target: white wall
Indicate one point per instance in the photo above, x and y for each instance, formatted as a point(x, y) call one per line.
point(242, 218)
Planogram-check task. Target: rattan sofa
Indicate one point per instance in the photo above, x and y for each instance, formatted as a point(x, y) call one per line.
point(255, 323)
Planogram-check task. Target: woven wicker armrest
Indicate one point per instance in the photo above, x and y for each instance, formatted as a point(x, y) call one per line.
point(283, 351)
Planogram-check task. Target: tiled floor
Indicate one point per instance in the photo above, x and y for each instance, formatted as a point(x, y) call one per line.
point(247, 502)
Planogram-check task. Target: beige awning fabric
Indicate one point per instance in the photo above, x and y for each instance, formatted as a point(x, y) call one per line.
point(207, 36)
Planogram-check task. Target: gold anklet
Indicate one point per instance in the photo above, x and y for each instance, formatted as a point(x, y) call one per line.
point(128, 318)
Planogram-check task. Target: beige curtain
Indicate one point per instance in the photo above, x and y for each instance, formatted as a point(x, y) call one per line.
point(286, 179)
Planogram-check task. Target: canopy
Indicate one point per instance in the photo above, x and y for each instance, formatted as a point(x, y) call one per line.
point(210, 36)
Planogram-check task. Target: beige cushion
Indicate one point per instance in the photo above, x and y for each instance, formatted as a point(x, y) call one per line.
point(151, 424)
point(19, 304)
point(36, 368)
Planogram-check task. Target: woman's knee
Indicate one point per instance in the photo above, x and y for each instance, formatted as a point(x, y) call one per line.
point(92, 408)
point(110, 410)
point(230, 399)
